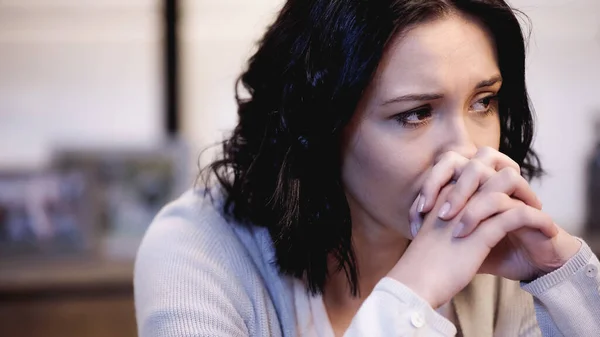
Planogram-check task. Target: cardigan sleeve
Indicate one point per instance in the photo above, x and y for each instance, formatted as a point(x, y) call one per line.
point(393, 309)
point(184, 286)
point(567, 300)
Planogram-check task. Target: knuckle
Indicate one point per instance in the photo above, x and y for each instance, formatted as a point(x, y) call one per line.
point(485, 151)
point(510, 163)
point(511, 175)
point(495, 157)
point(444, 157)
point(450, 157)
point(491, 203)
point(515, 166)
point(478, 166)
point(517, 181)
point(524, 214)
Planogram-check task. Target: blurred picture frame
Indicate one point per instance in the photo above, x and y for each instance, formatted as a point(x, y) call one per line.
point(130, 187)
point(45, 213)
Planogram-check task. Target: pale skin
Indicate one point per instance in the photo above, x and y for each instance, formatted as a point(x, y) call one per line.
point(429, 118)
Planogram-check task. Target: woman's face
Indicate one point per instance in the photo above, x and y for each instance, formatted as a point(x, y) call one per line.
point(433, 92)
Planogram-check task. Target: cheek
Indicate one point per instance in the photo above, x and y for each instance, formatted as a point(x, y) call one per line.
point(381, 174)
point(380, 155)
point(488, 136)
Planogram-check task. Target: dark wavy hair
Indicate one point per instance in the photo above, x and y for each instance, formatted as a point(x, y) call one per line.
point(280, 168)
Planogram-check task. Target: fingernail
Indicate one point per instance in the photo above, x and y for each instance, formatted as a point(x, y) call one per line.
point(458, 230)
point(444, 210)
point(414, 228)
point(421, 204)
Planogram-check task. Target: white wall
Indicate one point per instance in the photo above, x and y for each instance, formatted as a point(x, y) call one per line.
point(78, 72)
point(563, 69)
point(217, 38)
point(563, 72)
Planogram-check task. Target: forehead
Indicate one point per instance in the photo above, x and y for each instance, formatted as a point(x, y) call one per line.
point(445, 52)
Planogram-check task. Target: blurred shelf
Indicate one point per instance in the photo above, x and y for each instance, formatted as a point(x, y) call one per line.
point(67, 298)
point(84, 276)
point(92, 275)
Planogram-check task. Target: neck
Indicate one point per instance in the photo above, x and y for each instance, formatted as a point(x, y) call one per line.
point(377, 250)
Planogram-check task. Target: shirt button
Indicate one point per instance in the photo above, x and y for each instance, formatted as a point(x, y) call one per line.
point(417, 320)
point(591, 270)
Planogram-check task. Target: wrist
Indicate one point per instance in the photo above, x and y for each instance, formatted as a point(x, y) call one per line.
point(566, 247)
point(571, 248)
point(419, 283)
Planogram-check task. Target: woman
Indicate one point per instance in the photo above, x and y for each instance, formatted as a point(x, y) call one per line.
point(379, 164)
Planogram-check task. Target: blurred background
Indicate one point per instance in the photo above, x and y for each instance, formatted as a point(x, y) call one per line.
point(105, 106)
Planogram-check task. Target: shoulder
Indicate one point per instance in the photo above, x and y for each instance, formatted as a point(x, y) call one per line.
point(188, 248)
point(193, 261)
point(187, 229)
point(192, 234)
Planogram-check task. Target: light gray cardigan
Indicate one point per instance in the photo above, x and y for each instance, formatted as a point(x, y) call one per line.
point(198, 275)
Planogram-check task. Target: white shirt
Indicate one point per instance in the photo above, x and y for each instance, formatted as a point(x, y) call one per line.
point(312, 317)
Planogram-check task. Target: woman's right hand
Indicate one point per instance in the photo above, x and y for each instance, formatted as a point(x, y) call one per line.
point(437, 266)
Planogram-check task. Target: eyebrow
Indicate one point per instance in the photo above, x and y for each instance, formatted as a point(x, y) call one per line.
point(431, 97)
point(489, 83)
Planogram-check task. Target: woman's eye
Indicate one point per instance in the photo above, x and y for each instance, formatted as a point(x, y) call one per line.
point(484, 105)
point(414, 118)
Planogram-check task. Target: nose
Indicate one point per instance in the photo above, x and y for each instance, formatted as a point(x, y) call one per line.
point(457, 138)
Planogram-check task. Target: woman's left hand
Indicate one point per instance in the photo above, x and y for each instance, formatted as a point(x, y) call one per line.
point(480, 183)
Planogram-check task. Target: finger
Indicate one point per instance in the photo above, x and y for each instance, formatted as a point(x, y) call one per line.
point(510, 182)
point(449, 167)
point(474, 175)
point(430, 221)
point(496, 159)
point(479, 169)
point(492, 230)
point(481, 207)
point(414, 218)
